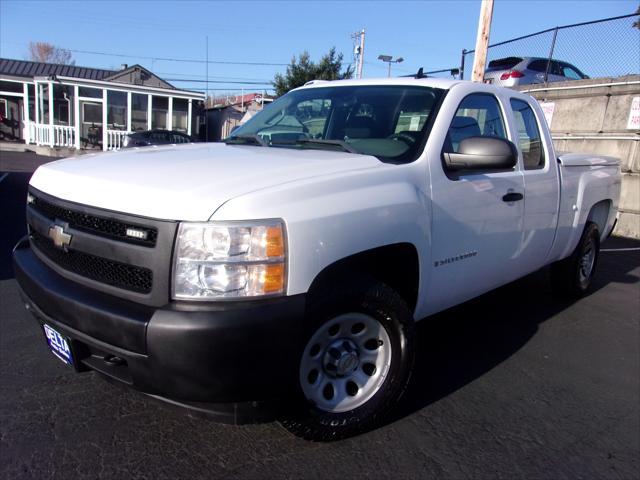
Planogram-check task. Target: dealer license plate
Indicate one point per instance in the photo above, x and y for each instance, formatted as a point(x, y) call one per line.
point(58, 344)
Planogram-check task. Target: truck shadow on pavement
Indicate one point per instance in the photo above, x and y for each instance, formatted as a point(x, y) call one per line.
point(461, 344)
point(13, 195)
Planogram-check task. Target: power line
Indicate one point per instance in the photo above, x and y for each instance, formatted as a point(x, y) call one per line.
point(168, 59)
point(214, 81)
point(224, 77)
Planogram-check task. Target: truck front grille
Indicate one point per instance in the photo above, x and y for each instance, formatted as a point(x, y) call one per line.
point(121, 275)
point(96, 225)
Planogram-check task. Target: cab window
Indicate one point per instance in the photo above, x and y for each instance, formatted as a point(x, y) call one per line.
point(478, 115)
point(529, 139)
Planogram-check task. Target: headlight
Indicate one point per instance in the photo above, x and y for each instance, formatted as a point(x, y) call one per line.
point(229, 260)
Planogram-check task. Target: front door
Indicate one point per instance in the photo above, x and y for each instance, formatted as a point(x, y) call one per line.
point(476, 232)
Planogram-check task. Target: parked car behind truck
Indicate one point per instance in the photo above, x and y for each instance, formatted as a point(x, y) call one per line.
point(513, 71)
point(156, 137)
point(292, 270)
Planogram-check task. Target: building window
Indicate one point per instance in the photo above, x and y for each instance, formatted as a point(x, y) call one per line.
point(139, 110)
point(91, 113)
point(116, 110)
point(43, 102)
point(89, 92)
point(31, 89)
point(3, 108)
point(14, 87)
point(159, 111)
point(62, 104)
point(180, 113)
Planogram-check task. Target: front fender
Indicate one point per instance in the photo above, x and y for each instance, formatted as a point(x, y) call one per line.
point(333, 217)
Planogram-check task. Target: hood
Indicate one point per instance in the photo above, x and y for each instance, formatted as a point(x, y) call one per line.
point(186, 182)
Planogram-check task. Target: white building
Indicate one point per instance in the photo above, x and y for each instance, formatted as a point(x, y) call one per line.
point(88, 108)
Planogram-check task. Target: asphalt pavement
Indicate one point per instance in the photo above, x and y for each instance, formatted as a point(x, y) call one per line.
point(514, 384)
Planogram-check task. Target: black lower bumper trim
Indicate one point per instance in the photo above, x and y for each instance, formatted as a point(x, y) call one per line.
point(188, 354)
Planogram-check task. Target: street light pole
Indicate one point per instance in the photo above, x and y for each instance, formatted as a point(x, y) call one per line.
point(389, 59)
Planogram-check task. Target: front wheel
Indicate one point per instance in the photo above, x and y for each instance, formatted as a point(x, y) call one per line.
point(355, 364)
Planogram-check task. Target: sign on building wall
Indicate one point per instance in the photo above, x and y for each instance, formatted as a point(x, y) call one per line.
point(548, 108)
point(634, 115)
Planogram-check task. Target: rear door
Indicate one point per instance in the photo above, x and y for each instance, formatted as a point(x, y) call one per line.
point(476, 234)
point(541, 185)
point(555, 73)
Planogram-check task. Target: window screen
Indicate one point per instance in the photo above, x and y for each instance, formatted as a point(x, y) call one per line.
point(529, 138)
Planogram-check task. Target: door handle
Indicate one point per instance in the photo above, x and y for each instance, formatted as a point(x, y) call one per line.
point(512, 197)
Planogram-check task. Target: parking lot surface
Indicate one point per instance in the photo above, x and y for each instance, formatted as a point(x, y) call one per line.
point(515, 384)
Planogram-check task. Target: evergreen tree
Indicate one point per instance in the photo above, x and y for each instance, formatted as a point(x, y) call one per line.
point(303, 70)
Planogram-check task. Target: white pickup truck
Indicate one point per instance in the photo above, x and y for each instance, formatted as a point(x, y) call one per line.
point(291, 261)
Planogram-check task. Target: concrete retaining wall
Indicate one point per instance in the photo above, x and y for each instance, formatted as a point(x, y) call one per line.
point(591, 116)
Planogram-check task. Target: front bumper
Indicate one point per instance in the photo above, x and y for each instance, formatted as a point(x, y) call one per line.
point(231, 352)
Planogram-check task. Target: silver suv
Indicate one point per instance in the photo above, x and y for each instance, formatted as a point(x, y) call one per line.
point(512, 71)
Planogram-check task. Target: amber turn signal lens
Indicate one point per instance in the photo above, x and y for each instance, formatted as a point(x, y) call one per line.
point(275, 242)
point(274, 278)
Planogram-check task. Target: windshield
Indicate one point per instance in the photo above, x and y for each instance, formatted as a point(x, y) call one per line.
point(389, 121)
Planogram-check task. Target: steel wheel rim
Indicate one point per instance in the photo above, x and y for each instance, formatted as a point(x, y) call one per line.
point(587, 261)
point(345, 362)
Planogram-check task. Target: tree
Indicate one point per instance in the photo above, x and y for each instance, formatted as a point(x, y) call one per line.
point(47, 53)
point(303, 70)
point(636, 24)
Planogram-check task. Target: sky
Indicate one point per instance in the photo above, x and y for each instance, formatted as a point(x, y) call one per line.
point(427, 33)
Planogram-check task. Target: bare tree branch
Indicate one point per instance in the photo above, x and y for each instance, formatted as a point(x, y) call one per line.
point(48, 53)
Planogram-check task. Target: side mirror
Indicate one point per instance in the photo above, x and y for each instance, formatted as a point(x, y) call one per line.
point(482, 153)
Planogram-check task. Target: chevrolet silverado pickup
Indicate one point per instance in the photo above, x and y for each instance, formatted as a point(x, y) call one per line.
point(288, 264)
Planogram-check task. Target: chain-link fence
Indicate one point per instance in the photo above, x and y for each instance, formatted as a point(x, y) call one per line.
point(602, 48)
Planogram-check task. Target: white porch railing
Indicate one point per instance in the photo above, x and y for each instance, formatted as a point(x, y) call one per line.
point(115, 139)
point(40, 134)
point(64, 136)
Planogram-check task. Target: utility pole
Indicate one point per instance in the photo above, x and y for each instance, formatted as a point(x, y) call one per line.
point(358, 52)
point(206, 91)
point(482, 40)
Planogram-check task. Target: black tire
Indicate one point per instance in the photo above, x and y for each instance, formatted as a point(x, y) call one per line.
point(375, 299)
point(568, 277)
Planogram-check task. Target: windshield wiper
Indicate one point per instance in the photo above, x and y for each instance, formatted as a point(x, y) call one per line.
point(319, 142)
point(250, 139)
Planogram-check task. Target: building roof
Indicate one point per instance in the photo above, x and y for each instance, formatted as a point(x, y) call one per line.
point(246, 99)
point(25, 68)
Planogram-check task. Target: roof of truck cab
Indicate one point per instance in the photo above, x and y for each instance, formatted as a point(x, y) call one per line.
point(443, 83)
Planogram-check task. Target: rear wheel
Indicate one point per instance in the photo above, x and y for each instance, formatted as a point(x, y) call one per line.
point(356, 362)
point(573, 276)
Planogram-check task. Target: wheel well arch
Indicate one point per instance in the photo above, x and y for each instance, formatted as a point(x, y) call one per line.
point(397, 265)
point(599, 214)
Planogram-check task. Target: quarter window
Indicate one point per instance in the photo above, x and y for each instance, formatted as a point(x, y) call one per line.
point(477, 116)
point(529, 138)
point(569, 72)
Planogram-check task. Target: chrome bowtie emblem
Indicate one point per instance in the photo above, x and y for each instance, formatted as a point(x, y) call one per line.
point(59, 237)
